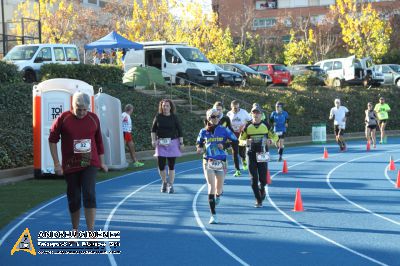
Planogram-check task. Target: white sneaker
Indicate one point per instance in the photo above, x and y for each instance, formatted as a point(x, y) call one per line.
point(213, 219)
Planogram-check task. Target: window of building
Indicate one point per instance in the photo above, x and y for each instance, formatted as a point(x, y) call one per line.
point(102, 3)
point(304, 3)
point(264, 23)
point(266, 4)
point(93, 2)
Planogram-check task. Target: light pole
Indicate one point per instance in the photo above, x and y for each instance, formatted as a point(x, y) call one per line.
point(39, 24)
point(3, 23)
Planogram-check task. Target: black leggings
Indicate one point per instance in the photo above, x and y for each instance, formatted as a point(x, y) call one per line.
point(258, 173)
point(81, 183)
point(236, 152)
point(162, 161)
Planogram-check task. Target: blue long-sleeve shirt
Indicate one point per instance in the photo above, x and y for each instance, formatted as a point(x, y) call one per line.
point(210, 140)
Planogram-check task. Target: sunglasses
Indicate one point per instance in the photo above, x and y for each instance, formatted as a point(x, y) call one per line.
point(213, 116)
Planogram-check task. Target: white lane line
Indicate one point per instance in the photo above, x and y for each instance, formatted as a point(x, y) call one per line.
point(204, 229)
point(328, 177)
point(110, 216)
point(29, 215)
point(387, 175)
point(312, 231)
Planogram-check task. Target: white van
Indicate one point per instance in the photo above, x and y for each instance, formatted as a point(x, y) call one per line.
point(351, 70)
point(178, 62)
point(30, 57)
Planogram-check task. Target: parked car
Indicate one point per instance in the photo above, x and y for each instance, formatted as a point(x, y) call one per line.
point(226, 77)
point(297, 70)
point(278, 72)
point(351, 70)
point(246, 72)
point(30, 57)
point(391, 74)
point(179, 63)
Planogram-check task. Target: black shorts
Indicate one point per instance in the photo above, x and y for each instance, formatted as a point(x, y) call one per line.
point(383, 121)
point(282, 136)
point(81, 184)
point(372, 127)
point(339, 131)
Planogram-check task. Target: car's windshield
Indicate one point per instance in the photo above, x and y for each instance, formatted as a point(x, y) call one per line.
point(245, 68)
point(218, 68)
point(192, 55)
point(279, 68)
point(21, 53)
point(395, 68)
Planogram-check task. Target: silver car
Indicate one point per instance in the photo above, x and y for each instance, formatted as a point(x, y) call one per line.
point(391, 74)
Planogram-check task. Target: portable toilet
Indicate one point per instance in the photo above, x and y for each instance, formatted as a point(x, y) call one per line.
point(50, 99)
point(108, 109)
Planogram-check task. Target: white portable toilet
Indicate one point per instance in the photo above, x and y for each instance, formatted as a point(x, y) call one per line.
point(108, 109)
point(50, 99)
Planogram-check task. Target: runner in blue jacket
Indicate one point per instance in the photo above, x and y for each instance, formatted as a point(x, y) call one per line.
point(280, 120)
point(211, 142)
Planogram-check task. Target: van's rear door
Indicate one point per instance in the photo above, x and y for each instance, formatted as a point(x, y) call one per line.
point(348, 68)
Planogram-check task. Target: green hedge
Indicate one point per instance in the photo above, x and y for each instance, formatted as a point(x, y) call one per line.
point(91, 74)
point(306, 107)
point(9, 73)
point(16, 125)
point(16, 146)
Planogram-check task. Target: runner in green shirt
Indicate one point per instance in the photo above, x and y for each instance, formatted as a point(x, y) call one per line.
point(382, 109)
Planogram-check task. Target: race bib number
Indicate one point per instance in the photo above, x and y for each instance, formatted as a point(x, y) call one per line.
point(164, 141)
point(216, 165)
point(262, 157)
point(82, 146)
point(279, 133)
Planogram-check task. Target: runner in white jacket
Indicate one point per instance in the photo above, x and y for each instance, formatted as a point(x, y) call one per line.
point(239, 118)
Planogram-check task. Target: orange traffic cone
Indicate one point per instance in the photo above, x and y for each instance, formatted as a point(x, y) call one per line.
point(398, 179)
point(325, 153)
point(269, 181)
point(392, 167)
point(285, 168)
point(298, 203)
point(368, 146)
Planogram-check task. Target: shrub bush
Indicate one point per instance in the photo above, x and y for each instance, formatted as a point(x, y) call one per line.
point(307, 80)
point(9, 73)
point(91, 74)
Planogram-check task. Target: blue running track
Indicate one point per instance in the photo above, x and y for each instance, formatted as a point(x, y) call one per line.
point(351, 217)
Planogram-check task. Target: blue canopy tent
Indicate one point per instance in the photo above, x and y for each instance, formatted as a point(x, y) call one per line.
point(112, 41)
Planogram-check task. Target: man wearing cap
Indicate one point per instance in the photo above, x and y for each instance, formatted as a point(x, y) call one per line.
point(254, 137)
point(280, 120)
point(382, 109)
point(339, 115)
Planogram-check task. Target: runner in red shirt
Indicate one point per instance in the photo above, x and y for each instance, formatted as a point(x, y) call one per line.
point(82, 154)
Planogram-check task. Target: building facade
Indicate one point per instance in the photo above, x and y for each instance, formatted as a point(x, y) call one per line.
point(259, 16)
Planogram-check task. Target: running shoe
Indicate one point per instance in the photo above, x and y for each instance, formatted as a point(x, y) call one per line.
point(164, 187)
point(213, 219)
point(170, 189)
point(258, 205)
point(217, 200)
point(280, 159)
point(138, 164)
point(237, 173)
point(245, 165)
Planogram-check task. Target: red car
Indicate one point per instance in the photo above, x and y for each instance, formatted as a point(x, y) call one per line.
point(278, 72)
